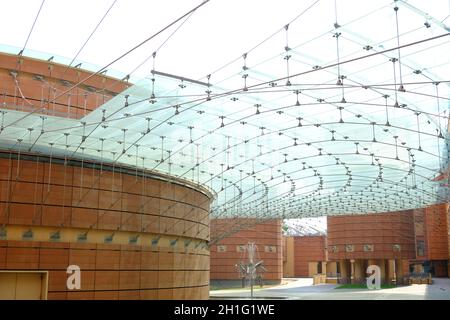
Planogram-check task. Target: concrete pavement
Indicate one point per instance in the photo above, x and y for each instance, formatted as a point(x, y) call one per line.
point(302, 288)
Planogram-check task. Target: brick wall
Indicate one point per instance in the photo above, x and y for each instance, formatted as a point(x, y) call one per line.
point(381, 231)
point(42, 197)
point(225, 254)
point(307, 249)
point(436, 232)
point(41, 81)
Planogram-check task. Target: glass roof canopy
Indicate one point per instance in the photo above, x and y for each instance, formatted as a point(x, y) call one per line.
point(305, 124)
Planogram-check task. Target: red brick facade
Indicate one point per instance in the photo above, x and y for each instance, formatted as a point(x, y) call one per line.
point(40, 198)
point(40, 82)
point(372, 236)
point(308, 249)
point(227, 252)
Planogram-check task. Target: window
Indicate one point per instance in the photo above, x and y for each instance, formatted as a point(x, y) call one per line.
point(133, 239)
point(82, 237)
point(368, 247)
point(108, 239)
point(3, 233)
point(420, 248)
point(349, 248)
point(27, 235)
point(55, 236)
point(221, 248)
point(334, 249)
point(270, 249)
point(240, 248)
point(396, 248)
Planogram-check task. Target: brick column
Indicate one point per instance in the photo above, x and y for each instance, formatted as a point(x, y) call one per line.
point(382, 264)
point(345, 272)
point(400, 268)
point(359, 275)
point(390, 270)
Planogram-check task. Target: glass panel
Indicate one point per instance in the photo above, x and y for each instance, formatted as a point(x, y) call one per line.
point(317, 127)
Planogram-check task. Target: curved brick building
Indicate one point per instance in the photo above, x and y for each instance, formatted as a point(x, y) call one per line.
point(135, 234)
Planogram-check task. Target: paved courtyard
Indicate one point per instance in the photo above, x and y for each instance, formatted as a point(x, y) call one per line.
point(303, 288)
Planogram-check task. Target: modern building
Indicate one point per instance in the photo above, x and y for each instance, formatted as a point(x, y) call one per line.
point(381, 239)
point(400, 243)
point(230, 250)
point(432, 235)
point(134, 234)
point(173, 163)
point(304, 256)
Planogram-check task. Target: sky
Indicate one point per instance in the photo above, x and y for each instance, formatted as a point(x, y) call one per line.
point(214, 35)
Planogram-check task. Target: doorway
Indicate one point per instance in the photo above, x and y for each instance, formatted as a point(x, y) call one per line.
point(23, 285)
